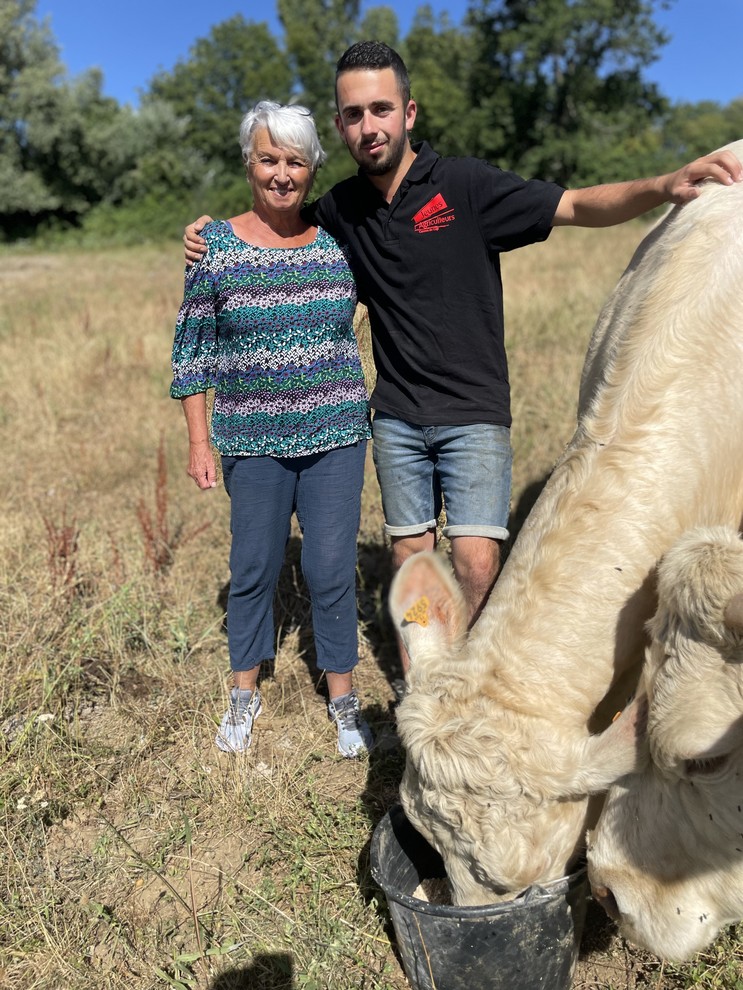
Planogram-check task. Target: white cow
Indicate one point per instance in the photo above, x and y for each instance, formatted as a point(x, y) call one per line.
point(498, 724)
point(666, 860)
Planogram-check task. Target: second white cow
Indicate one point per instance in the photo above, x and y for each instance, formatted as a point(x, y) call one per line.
point(499, 726)
point(666, 860)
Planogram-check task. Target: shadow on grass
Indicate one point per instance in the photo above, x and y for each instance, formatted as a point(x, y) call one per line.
point(524, 506)
point(385, 770)
point(267, 972)
point(598, 931)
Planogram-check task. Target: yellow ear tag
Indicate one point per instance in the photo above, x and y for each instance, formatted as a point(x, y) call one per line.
point(418, 612)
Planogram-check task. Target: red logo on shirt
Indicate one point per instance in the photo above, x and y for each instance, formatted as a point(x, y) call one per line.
point(433, 216)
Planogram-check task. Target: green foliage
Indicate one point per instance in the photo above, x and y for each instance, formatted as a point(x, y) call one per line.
point(156, 216)
point(226, 73)
point(439, 58)
point(380, 23)
point(75, 145)
point(157, 154)
point(549, 88)
point(560, 80)
point(316, 33)
point(30, 72)
point(695, 129)
point(64, 147)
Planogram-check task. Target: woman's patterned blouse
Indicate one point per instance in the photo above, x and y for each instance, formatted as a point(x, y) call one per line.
point(271, 331)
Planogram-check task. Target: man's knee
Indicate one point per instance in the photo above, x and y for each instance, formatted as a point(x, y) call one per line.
point(476, 561)
point(405, 546)
point(476, 555)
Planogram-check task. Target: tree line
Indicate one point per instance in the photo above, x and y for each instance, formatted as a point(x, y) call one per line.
point(555, 89)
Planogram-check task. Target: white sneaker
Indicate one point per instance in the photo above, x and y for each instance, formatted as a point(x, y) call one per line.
point(354, 735)
point(236, 728)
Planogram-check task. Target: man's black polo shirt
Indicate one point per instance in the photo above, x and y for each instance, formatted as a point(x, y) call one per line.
point(427, 266)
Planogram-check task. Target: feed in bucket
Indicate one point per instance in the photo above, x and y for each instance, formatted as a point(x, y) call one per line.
point(525, 943)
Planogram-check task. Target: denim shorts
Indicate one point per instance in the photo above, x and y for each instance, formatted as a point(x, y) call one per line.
point(465, 469)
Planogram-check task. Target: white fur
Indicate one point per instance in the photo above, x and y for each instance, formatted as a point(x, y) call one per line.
point(498, 726)
point(669, 845)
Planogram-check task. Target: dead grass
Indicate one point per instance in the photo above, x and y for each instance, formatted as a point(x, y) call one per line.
point(133, 853)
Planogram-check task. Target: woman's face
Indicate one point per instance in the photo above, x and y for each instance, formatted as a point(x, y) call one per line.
point(279, 177)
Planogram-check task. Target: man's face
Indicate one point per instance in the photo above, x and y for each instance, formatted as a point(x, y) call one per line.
point(372, 119)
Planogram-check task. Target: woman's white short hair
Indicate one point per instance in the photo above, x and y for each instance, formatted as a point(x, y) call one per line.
point(288, 126)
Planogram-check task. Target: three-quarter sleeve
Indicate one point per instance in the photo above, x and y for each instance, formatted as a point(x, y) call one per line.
point(194, 358)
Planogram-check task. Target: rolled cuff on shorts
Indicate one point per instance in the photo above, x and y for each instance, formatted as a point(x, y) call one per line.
point(466, 469)
point(492, 532)
point(415, 530)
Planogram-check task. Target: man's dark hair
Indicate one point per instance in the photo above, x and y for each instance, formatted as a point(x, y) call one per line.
point(375, 55)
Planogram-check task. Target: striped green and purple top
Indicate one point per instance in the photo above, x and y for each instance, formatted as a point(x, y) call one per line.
point(271, 331)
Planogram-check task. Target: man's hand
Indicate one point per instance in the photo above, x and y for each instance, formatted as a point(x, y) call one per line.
point(195, 246)
point(683, 185)
point(616, 202)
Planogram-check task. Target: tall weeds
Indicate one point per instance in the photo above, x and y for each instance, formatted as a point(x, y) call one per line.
point(158, 537)
point(62, 544)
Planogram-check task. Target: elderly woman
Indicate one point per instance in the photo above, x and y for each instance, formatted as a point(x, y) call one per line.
point(267, 322)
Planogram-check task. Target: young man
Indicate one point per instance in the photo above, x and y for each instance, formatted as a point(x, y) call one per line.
point(425, 234)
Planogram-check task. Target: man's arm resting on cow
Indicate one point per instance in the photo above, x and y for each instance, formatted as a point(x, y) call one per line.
point(604, 206)
point(195, 245)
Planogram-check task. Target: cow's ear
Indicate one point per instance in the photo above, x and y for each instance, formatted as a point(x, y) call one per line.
point(427, 604)
point(621, 749)
point(733, 615)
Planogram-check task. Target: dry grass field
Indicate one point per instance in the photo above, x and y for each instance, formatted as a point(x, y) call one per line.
point(134, 854)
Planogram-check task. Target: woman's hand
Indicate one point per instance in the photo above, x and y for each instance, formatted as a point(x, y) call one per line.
point(201, 466)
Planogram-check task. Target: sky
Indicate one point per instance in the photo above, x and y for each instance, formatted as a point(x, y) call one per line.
point(131, 41)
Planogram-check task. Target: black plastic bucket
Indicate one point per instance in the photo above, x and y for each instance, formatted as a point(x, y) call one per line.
point(528, 943)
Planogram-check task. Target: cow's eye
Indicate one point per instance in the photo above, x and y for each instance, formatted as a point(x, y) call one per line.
point(707, 767)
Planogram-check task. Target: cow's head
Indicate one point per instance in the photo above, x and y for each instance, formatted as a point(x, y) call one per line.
point(666, 859)
point(496, 783)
